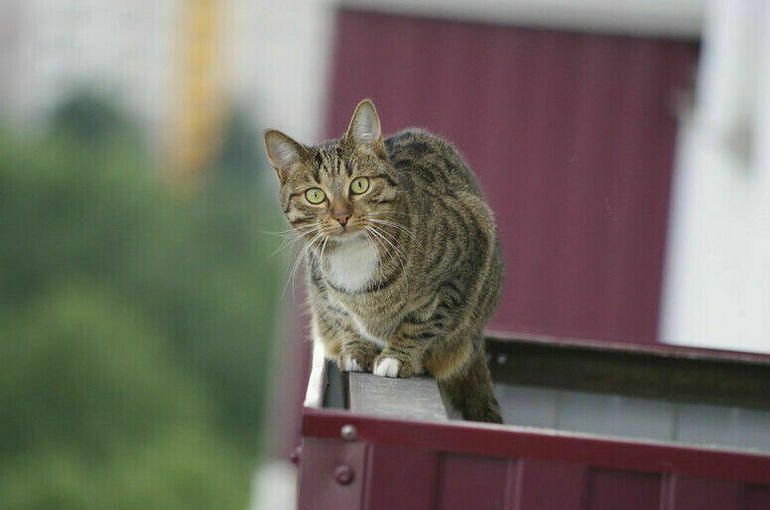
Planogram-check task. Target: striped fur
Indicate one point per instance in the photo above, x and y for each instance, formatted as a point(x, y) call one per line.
point(422, 304)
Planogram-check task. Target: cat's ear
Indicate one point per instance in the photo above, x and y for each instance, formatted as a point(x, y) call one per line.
point(283, 152)
point(365, 127)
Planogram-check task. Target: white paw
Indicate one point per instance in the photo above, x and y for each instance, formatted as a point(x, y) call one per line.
point(351, 365)
point(387, 367)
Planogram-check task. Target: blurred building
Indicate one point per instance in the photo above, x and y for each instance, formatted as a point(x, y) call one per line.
point(272, 59)
point(51, 47)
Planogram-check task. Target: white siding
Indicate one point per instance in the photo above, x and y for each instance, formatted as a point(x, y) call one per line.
point(717, 285)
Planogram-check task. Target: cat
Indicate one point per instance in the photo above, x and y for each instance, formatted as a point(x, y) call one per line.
point(403, 261)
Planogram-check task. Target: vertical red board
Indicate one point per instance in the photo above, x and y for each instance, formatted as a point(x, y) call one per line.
point(612, 490)
point(549, 485)
point(318, 486)
point(400, 477)
point(756, 497)
point(572, 137)
point(688, 493)
point(475, 482)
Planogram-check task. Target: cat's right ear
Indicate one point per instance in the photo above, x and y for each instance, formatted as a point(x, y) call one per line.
point(364, 128)
point(283, 152)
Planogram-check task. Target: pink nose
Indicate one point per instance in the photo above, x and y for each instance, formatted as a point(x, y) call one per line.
point(342, 218)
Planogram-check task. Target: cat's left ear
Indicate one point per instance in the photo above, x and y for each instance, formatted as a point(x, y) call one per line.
point(364, 128)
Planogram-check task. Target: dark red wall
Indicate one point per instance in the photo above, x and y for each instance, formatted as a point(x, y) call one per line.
point(572, 137)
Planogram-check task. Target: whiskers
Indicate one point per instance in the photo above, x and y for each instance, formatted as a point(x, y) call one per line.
point(315, 235)
point(387, 242)
point(292, 236)
point(379, 229)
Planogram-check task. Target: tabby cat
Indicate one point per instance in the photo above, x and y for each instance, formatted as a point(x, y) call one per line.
point(403, 262)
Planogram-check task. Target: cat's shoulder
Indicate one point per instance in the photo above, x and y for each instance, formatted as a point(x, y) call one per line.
point(417, 142)
point(430, 159)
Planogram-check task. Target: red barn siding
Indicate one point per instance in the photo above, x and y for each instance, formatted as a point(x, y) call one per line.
point(626, 490)
point(422, 466)
point(697, 493)
point(756, 497)
point(472, 482)
point(572, 137)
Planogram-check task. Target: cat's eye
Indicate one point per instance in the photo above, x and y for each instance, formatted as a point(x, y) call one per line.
point(315, 195)
point(359, 185)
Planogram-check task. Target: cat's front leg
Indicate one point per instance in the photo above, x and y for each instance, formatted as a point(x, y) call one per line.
point(341, 343)
point(357, 355)
point(402, 357)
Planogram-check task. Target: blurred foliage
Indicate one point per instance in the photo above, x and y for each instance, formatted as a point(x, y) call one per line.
point(135, 324)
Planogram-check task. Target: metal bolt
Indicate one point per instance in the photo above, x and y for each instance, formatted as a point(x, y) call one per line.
point(296, 455)
point(348, 432)
point(344, 474)
point(502, 359)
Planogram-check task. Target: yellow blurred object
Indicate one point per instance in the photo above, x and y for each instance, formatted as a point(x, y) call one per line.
point(196, 126)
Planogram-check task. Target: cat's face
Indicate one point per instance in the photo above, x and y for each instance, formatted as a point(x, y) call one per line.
point(341, 190)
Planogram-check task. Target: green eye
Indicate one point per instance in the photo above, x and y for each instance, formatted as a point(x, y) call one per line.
point(315, 195)
point(359, 185)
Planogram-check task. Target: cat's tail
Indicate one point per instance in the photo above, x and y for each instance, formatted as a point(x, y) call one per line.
point(470, 391)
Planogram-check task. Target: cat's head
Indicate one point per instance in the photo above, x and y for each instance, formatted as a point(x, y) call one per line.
point(341, 189)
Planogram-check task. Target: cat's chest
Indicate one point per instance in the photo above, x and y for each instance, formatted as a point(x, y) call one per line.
point(351, 266)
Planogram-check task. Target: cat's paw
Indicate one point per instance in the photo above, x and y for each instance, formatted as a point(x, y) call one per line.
point(387, 366)
point(357, 357)
point(351, 365)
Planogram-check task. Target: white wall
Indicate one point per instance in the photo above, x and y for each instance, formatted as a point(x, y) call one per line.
point(676, 18)
point(278, 60)
point(717, 285)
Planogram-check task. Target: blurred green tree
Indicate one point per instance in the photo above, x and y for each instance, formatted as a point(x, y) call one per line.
point(135, 325)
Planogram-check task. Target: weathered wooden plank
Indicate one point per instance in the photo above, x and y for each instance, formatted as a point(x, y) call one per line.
point(417, 398)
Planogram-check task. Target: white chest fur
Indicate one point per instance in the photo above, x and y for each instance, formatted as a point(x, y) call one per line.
point(352, 265)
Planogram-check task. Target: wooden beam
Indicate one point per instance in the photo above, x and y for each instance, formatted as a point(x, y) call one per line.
point(416, 398)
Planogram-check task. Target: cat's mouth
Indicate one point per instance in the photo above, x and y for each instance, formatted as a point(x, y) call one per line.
point(349, 234)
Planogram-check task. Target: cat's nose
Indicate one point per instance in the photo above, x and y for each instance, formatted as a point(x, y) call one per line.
point(342, 218)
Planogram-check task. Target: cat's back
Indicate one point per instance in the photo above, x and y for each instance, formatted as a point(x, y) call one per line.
point(430, 162)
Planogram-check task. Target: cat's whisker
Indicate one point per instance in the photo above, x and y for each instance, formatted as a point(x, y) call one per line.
point(375, 246)
point(292, 231)
point(302, 254)
point(392, 237)
point(378, 243)
point(323, 247)
point(285, 244)
point(389, 234)
point(385, 212)
point(382, 218)
point(305, 252)
point(394, 225)
point(277, 232)
point(397, 250)
point(400, 256)
point(290, 240)
point(294, 236)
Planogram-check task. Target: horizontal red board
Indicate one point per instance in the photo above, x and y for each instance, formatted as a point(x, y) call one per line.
point(513, 442)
